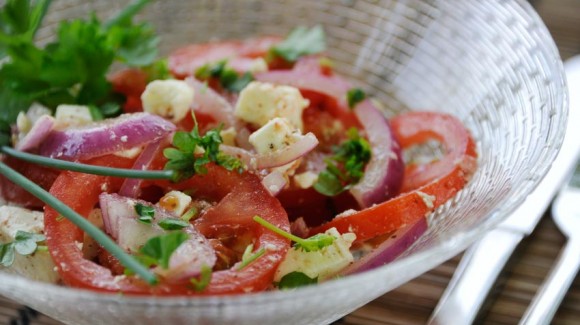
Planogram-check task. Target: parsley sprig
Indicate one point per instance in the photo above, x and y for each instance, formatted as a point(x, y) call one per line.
point(73, 68)
point(24, 243)
point(192, 152)
point(311, 244)
point(229, 79)
point(294, 280)
point(346, 167)
point(300, 42)
point(158, 250)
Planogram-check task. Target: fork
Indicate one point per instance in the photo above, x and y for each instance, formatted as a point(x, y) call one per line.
point(566, 215)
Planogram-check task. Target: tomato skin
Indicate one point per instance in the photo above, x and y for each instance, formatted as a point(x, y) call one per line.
point(240, 54)
point(81, 191)
point(131, 83)
point(416, 203)
point(42, 176)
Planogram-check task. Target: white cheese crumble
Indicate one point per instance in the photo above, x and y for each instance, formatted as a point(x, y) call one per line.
point(171, 99)
point(67, 116)
point(321, 264)
point(429, 200)
point(260, 102)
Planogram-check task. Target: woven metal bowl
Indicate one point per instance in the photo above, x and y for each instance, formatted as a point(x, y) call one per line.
point(490, 63)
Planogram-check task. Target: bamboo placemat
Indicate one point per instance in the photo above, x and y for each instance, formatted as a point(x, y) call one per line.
point(413, 302)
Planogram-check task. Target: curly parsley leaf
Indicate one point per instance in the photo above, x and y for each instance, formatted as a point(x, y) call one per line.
point(73, 68)
point(192, 152)
point(145, 213)
point(228, 78)
point(158, 250)
point(294, 280)
point(355, 96)
point(172, 224)
point(300, 42)
point(346, 167)
point(311, 244)
point(24, 243)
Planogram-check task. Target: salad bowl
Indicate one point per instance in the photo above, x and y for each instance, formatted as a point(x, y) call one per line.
point(492, 64)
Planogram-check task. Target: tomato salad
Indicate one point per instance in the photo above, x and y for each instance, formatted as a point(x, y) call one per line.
point(283, 173)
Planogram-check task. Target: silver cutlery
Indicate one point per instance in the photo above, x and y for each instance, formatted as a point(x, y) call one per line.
point(566, 215)
point(483, 262)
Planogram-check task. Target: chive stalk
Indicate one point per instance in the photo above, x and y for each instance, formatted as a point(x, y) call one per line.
point(85, 168)
point(127, 260)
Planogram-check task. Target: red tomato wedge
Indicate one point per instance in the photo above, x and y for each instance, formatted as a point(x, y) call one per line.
point(446, 177)
point(240, 54)
point(240, 198)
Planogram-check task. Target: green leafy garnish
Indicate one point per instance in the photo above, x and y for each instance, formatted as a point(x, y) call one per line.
point(346, 167)
point(300, 42)
point(355, 96)
point(295, 279)
point(248, 257)
point(311, 244)
point(200, 283)
point(24, 243)
point(73, 68)
point(172, 224)
point(192, 152)
point(158, 250)
point(145, 213)
point(229, 79)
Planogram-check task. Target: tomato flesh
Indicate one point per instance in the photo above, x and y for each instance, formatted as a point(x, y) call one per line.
point(445, 180)
point(245, 191)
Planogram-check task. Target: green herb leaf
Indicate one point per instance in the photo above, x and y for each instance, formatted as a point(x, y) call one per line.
point(311, 244)
point(229, 79)
point(295, 279)
point(355, 96)
point(200, 283)
point(248, 257)
point(172, 224)
point(6, 254)
point(192, 152)
point(145, 213)
point(346, 167)
point(72, 69)
point(300, 42)
point(158, 250)
point(24, 243)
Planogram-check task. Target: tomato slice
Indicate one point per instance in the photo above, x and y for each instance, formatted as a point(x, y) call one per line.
point(81, 191)
point(445, 177)
point(131, 83)
point(42, 176)
point(240, 54)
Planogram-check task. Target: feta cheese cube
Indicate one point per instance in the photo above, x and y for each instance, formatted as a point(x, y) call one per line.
point(67, 116)
point(37, 266)
point(276, 134)
point(260, 102)
point(171, 99)
point(321, 264)
point(175, 202)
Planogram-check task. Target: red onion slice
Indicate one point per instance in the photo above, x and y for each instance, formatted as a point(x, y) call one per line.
point(131, 186)
point(121, 223)
point(276, 158)
point(274, 182)
point(208, 102)
point(109, 136)
point(390, 249)
point(384, 172)
point(39, 131)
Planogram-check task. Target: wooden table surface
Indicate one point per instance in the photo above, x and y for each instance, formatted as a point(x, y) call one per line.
point(413, 302)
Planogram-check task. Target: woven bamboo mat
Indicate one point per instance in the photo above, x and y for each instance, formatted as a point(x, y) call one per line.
point(413, 302)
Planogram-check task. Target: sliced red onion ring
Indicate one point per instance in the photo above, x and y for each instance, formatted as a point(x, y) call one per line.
point(384, 172)
point(208, 102)
point(120, 220)
point(274, 182)
point(131, 186)
point(390, 249)
point(112, 135)
point(276, 158)
point(39, 131)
